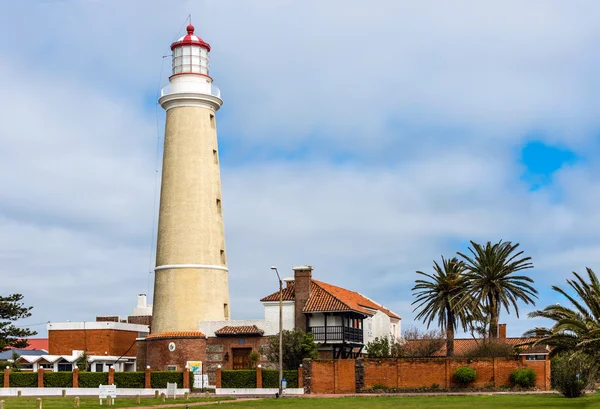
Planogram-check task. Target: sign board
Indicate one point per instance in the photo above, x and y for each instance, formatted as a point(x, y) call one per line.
point(194, 366)
point(107, 392)
point(172, 390)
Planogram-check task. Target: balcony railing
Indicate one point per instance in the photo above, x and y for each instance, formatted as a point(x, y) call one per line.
point(337, 333)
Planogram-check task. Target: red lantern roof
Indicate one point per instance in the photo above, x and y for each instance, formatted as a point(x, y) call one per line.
point(190, 39)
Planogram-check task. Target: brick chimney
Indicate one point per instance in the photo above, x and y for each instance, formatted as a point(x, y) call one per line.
point(302, 279)
point(501, 331)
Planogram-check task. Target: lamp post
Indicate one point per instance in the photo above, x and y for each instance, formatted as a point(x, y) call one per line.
point(280, 328)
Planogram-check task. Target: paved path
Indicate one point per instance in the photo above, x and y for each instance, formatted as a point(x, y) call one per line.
point(191, 404)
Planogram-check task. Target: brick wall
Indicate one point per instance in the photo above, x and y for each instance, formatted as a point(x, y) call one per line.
point(339, 376)
point(96, 342)
point(159, 357)
point(217, 347)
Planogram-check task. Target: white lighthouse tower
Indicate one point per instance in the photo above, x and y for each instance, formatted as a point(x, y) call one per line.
point(191, 283)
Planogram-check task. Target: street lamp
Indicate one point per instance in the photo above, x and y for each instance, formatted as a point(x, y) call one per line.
point(280, 328)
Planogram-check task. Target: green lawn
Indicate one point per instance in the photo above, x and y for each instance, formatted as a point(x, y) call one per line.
point(89, 402)
point(429, 402)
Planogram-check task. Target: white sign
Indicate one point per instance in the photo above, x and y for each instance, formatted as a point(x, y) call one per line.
point(107, 392)
point(172, 390)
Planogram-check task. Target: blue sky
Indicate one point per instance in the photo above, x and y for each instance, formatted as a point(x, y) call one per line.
point(366, 142)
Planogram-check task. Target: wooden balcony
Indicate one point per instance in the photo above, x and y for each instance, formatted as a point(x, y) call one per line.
point(336, 334)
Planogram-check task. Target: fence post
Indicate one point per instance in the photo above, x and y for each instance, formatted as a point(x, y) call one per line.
point(40, 377)
point(148, 378)
point(7, 377)
point(76, 377)
point(111, 375)
point(186, 378)
point(218, 377)
point(300, 377)
point(259, 376)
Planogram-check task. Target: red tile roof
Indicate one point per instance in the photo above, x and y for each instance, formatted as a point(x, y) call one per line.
point(463, 346)
point(330, 298)
point(177, 334)
point(36, 344)
point(239, 330)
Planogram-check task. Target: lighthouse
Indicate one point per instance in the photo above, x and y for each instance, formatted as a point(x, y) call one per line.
point(191, 275)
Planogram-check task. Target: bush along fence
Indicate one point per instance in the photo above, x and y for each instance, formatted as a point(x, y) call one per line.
point(423, 374)
point(258, 378)
point(80, 379)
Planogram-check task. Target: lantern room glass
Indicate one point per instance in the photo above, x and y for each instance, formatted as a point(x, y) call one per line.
point(190, 59)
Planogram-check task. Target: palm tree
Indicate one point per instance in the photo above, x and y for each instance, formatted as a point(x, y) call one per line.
point(576, 329)
point(492, 281)
point(439, 298)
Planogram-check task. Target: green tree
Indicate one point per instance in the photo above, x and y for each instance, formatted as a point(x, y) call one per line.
point(576, 328)
point(492, 280)
point(83, 362)
point(381, 347)
point(441, 298)
point(11, 310)
point(297, 345)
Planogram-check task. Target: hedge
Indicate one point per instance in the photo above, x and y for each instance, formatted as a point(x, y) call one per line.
point(130, 379)
point(58, 379)
point(271, 378)
point(92, 379)
point(160, 379)
point(465, 375)
point(238, 379)
point(23, 380)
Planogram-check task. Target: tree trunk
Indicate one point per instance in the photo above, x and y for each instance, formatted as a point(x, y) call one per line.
point(450, 335)
point(493, 320)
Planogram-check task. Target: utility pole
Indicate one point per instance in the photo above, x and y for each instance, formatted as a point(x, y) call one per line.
point(280, 330)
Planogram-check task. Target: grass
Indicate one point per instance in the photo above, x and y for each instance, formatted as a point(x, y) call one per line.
point(429, 402)
point(89, 402)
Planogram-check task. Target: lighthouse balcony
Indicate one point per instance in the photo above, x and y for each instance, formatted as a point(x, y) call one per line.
point(191, 87)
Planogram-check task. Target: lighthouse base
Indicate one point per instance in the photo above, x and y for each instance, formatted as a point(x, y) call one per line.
point(170, 351)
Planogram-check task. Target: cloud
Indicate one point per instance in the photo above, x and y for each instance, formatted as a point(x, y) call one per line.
point(365, 141)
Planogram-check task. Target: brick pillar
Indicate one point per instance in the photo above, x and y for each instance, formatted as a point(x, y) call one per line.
point(40, 377)
point(218, 377)
point(301, 377)
point(307, 373)
point(259, 377)
point(448, 375)
point(6, 377)
point(76, 378)
point(148, 378)
point(547, 373)
point(186, 378)
point(359, 373)
point(111, 376)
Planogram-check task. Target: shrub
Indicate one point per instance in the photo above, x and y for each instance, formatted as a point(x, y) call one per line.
point(130, 379)
point(160, 379)
point(238, 379)
point(572, 375)
point(379, 387)
point(92, 379)
point(58, 379)
point(523, 377)
point(23, 380)
point(465, 375)
point(271, 378)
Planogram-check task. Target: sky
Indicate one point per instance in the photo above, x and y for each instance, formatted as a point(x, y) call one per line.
point(364, 140)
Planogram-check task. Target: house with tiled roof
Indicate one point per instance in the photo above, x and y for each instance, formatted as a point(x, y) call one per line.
point(342, 321)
